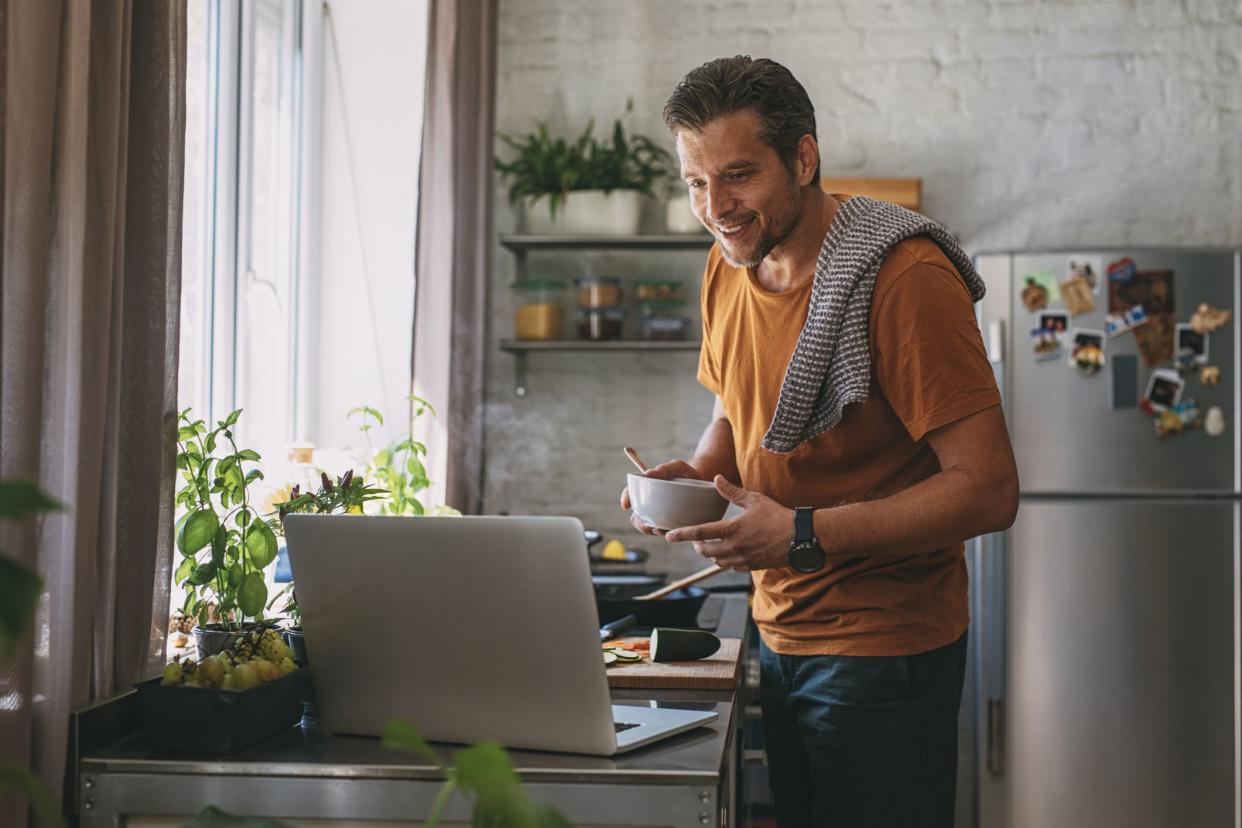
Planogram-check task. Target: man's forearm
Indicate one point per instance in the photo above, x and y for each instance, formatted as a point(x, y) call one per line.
point(715, 453)
point(946, 508)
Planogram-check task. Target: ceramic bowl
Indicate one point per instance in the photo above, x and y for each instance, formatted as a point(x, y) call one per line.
point(672, 504)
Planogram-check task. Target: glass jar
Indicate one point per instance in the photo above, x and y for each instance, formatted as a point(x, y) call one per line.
point(598, 292)
point(600, 324)
point(648, 289)
point(663, 328)
point(539, 309)
point(661, 307)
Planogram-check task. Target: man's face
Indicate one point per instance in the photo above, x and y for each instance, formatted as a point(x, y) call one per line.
point(739, 188)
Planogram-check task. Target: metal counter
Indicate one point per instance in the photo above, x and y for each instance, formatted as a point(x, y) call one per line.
point(687, 780)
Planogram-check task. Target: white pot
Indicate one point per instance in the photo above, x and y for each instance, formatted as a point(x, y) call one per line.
point(678, 217)
point(588, 212)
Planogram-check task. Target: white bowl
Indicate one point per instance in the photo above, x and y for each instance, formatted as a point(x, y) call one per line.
point(672, 504)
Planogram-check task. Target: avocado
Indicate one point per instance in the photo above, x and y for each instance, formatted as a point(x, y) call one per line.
point(682, 645)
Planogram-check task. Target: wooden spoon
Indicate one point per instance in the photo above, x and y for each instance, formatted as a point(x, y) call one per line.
point(635, 459)
point(705, 572)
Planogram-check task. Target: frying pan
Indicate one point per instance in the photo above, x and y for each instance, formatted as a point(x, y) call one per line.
point(616, 596)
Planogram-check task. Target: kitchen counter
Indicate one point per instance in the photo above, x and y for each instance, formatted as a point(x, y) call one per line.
point(306, 773)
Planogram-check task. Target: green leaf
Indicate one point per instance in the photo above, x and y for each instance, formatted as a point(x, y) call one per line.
point(399, 735)
point(197, 531)
point(243, 518)
point(231, 420)
point(202, 574)
point(249, 454)
point(16, 777)
point(20, 499)
point(252, 594)
point(183, 570)
point(186, 433)
point(235, 574)
point(261, 544)
point(485, 769)
point(20, 589)
point(219, 544)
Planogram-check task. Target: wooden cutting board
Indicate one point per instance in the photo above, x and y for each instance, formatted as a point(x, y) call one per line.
point(718, 672)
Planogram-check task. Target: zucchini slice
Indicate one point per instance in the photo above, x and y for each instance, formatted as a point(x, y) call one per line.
point(609, 657)
point(682, 645)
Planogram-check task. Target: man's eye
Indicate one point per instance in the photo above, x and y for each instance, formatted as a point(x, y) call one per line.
point(694, 185)
point(739, 176)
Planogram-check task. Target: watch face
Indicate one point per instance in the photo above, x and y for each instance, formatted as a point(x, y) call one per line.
point(806, 557)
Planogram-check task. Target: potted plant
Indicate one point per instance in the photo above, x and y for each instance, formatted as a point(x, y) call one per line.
point(344, 496)
point(590, 186)
point(399, 465)
point(224, 542)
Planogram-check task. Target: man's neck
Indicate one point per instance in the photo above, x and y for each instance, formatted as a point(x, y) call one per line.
point(792, 264)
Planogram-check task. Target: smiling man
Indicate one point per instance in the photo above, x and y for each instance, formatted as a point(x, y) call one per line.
point(858, 427)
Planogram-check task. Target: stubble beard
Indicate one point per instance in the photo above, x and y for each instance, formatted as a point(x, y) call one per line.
point(772, 236)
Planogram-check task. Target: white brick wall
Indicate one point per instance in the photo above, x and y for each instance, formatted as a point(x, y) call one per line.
point(1031, 124)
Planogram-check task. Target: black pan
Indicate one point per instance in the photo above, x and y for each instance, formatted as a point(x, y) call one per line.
point(615, 598)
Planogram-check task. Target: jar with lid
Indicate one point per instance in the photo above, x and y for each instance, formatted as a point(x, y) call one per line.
point(600, 324)
point(662, 307)
point(598, 292)
point(539, 309)
point(647, 289)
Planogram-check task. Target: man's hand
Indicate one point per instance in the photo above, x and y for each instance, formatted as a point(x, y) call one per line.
point(756, 539)
point(664, 471)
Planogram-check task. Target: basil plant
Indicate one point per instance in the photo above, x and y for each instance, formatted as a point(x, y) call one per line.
point(225, 544)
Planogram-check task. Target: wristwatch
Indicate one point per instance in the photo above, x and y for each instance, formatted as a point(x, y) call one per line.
point(805, 553)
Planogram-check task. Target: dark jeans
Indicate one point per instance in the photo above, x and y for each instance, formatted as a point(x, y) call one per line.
point(860, 741)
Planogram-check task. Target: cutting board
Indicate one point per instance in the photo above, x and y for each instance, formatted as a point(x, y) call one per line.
point(719, 672)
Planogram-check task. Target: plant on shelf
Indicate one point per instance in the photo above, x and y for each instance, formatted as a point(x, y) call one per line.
point(551, 168)
point(224, 542)
point(399, 466)
point(20, 589)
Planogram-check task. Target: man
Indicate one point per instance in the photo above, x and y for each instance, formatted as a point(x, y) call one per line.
point(869, 403)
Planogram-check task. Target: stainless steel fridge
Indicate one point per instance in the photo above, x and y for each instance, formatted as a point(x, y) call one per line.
point(1104, 673)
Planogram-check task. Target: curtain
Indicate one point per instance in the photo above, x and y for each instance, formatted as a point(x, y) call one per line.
point(93, 109)
point(453, 243)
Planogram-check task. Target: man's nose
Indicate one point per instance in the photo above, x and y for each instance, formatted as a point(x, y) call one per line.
point(720, 203)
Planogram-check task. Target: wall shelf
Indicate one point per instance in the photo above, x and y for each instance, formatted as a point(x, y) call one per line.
point(520, 349)
point(686, 241)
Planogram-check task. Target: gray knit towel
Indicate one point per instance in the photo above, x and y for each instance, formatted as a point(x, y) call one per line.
point(831, 363)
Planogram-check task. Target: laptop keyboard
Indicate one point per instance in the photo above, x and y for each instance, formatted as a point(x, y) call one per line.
point(620, 726)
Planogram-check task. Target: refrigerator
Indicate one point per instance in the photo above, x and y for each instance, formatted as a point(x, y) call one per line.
point(1104, 669)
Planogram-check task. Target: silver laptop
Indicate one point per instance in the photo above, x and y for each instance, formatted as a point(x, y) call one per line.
point(471, 628)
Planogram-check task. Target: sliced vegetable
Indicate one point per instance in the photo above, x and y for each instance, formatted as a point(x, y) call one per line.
point(610, 657)
point(682, 645)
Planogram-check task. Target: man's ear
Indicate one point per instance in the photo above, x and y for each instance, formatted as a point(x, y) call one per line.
point(808, 159)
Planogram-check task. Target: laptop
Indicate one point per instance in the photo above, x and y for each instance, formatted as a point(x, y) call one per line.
point(470, 628)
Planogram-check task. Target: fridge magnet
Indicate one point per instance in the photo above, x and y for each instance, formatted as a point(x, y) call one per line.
point(1164, 389)
point(1207, 318)
point(1178, 418)
point(1055, 321)
point(1045, 344)
point(1078, 296)
point(1155, 340)
point(1153, 289)
point(1116, 324)
point(1039, 289)
point(1086, 351)
point(1214, 422)
point(1088, 270)
point(1122, 270)
point(1190, 347)
point(1209, 376)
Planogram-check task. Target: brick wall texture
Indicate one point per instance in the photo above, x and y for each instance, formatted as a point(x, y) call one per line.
point(1032, 124)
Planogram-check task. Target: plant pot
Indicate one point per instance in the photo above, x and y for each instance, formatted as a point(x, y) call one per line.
point(587, 212)
point(204, 720)
point(678, 218)
point(213, 638)
point(296, 639)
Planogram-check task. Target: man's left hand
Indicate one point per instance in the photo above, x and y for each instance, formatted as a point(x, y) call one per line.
point(756, 539)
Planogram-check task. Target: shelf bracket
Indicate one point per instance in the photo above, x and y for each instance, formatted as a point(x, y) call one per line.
point(519, 374)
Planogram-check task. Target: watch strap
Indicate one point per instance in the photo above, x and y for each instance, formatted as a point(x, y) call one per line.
point(804, 524)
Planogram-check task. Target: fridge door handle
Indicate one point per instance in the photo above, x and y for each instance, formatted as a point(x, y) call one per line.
point(996, 341)
point(996, 736)
point(992, 649)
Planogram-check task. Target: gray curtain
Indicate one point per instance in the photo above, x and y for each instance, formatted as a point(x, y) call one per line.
point(93, 109)
point(454, 238)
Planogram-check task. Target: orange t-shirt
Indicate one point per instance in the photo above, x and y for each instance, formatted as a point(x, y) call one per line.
point(928, 369)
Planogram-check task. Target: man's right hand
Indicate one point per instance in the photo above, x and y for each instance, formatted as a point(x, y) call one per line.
point(664, 471)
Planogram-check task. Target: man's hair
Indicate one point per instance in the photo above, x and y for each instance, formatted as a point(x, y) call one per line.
point(727, 85)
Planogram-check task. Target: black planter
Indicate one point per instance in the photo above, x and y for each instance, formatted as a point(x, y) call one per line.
point(203, 720)
point(296, 639)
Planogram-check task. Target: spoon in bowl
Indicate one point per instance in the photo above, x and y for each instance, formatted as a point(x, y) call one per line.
point(635, 459)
